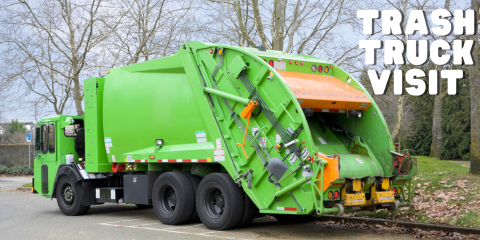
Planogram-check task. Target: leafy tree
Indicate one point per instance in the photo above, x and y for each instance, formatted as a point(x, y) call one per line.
point(16, 126)
point(456, 123)
point(419, 139)
point(14, 133)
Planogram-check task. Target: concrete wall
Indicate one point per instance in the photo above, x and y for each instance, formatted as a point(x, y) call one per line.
point(12, 155)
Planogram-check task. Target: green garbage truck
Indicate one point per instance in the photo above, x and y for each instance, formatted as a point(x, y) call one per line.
point(221, 134)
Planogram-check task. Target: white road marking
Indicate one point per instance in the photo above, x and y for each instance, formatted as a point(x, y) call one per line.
point(128, 220)
point(141, 225)
point(184, 227)
point(171, 230)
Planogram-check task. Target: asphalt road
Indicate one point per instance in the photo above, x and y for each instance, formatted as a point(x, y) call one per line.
point(24, 215)
point(13, 182)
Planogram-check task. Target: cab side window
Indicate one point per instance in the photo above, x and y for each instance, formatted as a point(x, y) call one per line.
point(37, 138)
point(51, 138)
point(44, 139)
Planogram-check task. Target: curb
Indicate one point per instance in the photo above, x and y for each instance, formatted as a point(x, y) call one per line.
point(29, 189)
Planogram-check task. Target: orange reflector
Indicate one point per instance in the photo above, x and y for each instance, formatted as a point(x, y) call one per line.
point(152, 157)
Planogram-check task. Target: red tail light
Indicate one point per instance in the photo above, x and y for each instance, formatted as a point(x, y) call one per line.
point(270, 63)
point(211, 51)
point(301, 63)
point(296, 62)
point(394, 191)
point(290, 61)
point(331, 66)
point(320, 68)
point(336, 194)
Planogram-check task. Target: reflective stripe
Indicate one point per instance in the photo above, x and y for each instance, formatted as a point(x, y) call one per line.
point(286, 209)
point(183, 160)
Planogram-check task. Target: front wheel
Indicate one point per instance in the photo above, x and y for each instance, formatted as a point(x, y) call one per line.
point(69, 197)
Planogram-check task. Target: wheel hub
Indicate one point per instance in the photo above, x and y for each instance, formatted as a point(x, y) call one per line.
point(168, 201)
point(219, 202)
point(68, 194)
point(172, 198)
point(215, 205)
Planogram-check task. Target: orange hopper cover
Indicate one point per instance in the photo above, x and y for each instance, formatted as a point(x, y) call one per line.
point(321, 92)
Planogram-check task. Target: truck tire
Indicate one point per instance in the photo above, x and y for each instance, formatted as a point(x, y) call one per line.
point(219, 202)
point(69, 197)
point(250, 211)
point(195, 181)
point(173, 198)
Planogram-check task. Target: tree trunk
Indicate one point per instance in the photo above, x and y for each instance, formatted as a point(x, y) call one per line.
point(399, 121)
point(279, 25)
point(474, 80)
point(77, 96)
point(436, 147)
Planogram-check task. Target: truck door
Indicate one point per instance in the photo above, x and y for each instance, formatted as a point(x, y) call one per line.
point(46, 158)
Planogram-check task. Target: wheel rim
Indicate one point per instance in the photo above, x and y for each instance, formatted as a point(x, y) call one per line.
point(215, 203)
point(168, 201)
point(68, 195)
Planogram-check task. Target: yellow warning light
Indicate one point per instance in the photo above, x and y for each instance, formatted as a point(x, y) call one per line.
point(330, 194)
point(399, 190)
point(220, 51)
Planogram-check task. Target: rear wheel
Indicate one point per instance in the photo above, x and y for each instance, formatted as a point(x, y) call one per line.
point(219, 202)
point(173, 198)
point(69, 197)
point(250, 211)
point(195, 181)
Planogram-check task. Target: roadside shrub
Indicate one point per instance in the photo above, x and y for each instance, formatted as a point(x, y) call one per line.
point(17, 170)
point(3, 169)
point(27, 170)
point(14, 171)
